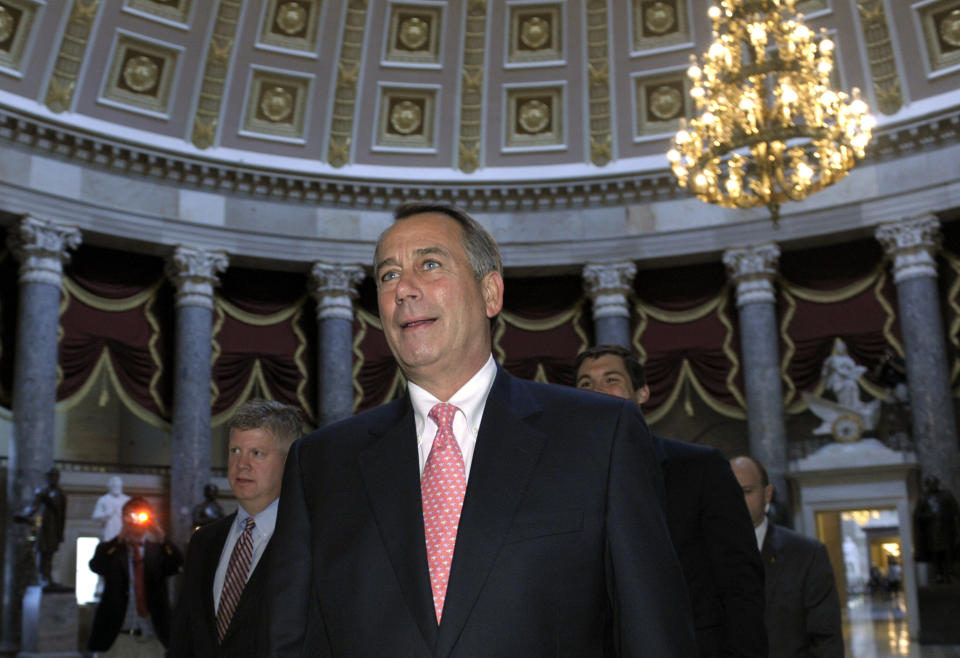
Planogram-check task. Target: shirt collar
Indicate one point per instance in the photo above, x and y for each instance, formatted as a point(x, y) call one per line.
point(761, 531)
point(470, 398)
point(265, 521)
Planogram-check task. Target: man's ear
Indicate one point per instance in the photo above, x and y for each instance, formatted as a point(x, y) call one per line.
point(492, 288)
point(768, 494)
point(642, 394)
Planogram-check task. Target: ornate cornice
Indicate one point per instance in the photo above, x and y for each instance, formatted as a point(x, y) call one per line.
point(608, 285)
point(194, 273)
point(42, 247)
point(334, 287)
point(753, 270)
point(499, 196)
point(913, 245)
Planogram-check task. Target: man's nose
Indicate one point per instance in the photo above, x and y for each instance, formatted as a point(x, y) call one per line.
point(407, 287)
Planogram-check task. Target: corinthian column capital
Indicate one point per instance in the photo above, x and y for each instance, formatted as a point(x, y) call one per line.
point(753, 270)
point(42, 247)
point(194, 273)
point(913, 245)
point(334, 286)
point(609, 285)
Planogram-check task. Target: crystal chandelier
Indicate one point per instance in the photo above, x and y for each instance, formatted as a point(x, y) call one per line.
point(768, 127)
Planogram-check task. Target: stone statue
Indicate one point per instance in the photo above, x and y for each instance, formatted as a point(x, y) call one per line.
point(109, 508)
point(48, 515)
point(209, 510)
point(848, 418)
point(936, 528)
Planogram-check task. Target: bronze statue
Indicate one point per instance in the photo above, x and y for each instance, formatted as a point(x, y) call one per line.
point(209, 510)
point(936, 524)
point(48, 514)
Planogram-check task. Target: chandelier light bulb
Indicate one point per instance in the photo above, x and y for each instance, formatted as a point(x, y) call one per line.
point(746, 146)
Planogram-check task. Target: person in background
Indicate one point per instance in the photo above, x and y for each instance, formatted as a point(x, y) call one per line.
point(132, 619)
point(48, 513)
point(709, 526)
point(803, 606)
point(479, 514)
point(220, 610)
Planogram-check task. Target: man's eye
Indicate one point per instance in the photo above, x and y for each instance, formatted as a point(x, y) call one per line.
point(431, 264)
point(388, 276)
point(586, 385)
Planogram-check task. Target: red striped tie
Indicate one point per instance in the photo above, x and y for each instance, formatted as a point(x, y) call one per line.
point(236, 578)
point(443, 486)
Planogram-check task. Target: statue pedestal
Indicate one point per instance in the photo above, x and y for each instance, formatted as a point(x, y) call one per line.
point(938, 614)
point(50, 624)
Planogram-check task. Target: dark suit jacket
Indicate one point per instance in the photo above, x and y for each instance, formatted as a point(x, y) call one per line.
point(110, 561)
point(803, 607)
point(561, 550)
point(717, 546)
point(194, 629)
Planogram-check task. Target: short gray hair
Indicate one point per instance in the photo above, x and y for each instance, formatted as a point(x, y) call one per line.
point(482, 250)
point(281, 421)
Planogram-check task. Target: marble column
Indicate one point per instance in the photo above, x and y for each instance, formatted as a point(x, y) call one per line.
point(194, 274)
point(753, 270)
point(912, 245)
point(609, 286)
point(334, 287)
point(42, 248)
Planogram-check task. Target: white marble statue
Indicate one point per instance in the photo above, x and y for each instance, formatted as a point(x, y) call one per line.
point(849, 417)
point(109, 508)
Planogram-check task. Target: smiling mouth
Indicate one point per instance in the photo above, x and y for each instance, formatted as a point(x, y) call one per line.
point(413, 324)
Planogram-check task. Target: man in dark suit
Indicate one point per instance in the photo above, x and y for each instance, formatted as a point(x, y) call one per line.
point(211, 619)
point(479, 515)
point(803, 607)
point(709, 526)
point(133, 616)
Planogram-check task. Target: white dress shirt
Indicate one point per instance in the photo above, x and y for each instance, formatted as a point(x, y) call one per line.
point(761, 531)
point(470, 399)
point(264, 523)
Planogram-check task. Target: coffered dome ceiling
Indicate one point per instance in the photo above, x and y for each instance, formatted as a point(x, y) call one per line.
point(422, 91)
point(497, 105)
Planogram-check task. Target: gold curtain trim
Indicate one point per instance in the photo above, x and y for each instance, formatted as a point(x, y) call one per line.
point(833, 296)
point(154, 387)
point(104, 364)
point(301, 366)
point(111, 305)
point(891, 316)
point(954, 264)
point(728, 351)
point(499, 329)
point(255, 379)
point(687, 375)
point(218, 318)
point(64, 305)
point(545, 324)
point(638, 334)
point(364, 319)
point(258, 320)
point(680, 317)
point(791, 348)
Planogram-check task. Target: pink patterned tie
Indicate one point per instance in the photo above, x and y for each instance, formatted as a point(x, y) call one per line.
point(443, 485)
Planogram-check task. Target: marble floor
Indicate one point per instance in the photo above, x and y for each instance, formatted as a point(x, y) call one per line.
point(878, 629)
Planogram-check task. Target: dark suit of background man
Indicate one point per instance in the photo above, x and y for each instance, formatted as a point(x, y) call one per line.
point(132, 619)
point(261, 432)
point(803, 607)
point(710, 528)
point(560, 544)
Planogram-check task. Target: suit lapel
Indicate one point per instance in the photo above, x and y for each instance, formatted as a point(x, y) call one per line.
point(507, 451)
point(391, 473)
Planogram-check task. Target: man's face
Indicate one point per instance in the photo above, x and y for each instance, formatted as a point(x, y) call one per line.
point(608, 374)
point(435, 314)
point(254, 468)
point(754, 493)
point(136, 520)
